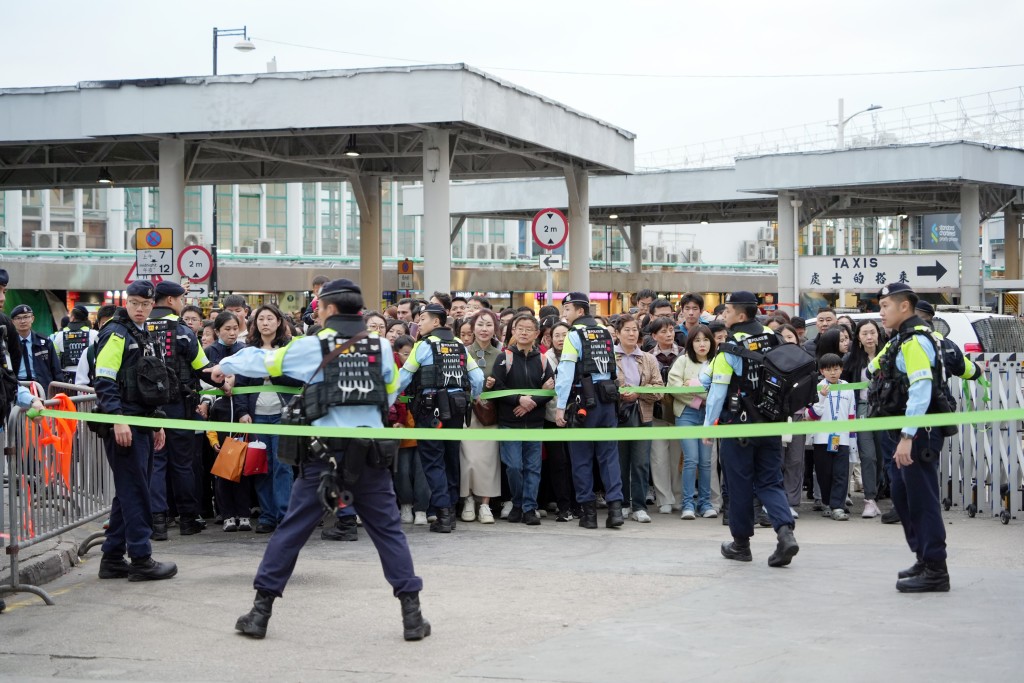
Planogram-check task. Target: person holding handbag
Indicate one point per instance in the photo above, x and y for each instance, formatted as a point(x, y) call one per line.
point(480, 468)
point(636, 368)
point(232, 498)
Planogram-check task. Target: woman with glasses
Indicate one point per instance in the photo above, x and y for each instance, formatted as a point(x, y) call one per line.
point(375, 322)
point(481, 471)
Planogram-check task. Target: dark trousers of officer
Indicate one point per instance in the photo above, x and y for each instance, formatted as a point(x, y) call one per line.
point(177, 459)
point(606, 451)
point(440, 461)
point(754, 467)
point(375, 496)
point(915, 494)
point(131, 519)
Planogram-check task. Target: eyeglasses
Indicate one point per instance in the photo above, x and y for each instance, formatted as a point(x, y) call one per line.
point(145, 303)
point(375, 326)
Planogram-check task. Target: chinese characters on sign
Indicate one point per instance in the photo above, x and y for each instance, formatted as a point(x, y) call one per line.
point(869, 273)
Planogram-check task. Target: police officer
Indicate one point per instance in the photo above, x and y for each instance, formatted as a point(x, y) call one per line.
point(39, 360)
point(185, 362)
point(751, 466)
point(129, 382)
point(85, 373)
point(73, 340)
point(585, 387)
point(905, 381)
point(353, 390)
point(441, 373)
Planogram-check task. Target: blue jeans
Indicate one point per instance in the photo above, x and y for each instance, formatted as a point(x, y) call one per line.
point(522, 463)
point(695, 454)
point(635, 465)
point(275, 487)
point(410, 482)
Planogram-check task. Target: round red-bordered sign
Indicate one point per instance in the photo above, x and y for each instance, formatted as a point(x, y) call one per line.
point(550, 228)
point(195, 263)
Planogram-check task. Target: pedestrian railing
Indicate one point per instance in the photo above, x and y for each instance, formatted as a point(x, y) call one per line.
point(57, 479)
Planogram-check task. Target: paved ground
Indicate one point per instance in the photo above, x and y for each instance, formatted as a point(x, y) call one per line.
point(652, 602)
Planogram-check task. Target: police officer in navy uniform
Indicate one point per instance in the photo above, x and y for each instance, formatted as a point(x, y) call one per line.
point(906, 380)
point(585, 386)
point(445, 379)
point(39, 360)
point(353, 390)
point(72, 341)
point(125, 353)
point(753, 465)
point(185, 361)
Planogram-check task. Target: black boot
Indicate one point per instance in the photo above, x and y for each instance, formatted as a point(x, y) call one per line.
point(588, 518)
point(255, 622)
point(414, 625)
point(785, 550)
point(148, 569)
point(737, 549)
point(934, 579)
point(443, 523)
point(189, 525)
point(614, 514)
point(159, 532)
point(909, 572)
point(113, 567)
point(344, 529)
point(891, 517)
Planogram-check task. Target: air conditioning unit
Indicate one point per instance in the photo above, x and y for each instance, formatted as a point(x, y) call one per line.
point(695, 256)
point(647, 254)
point(749, 251)
point(660, 255)
point(672, 257)
point(193, 239)
point(502, 252)
point(244, 250)
point(74, 241)
point(480, 251)
point(766, 234)
point(263, 246)
point(45, 240)
point(768, 253)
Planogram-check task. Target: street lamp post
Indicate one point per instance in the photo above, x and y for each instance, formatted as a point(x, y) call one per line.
point(840, 232)
point(841, 122)
point(243, 45)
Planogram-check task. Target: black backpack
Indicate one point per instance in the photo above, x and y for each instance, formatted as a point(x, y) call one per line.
point(8, 379)
point(788, 380)
point(149, 382)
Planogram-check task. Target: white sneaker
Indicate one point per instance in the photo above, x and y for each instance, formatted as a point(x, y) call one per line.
point(640, 516)
point(420, 519)
point(506, 508)
point(688, 513)
point(840, 515)
point(542, 513)
point(484, 515)
point(870, 509)
point(244, 524)
point(665, 509)
point(468, 511)
point(406, 513)
point(710, 513)
point(231, 524)
point(792, 511)
point(431, 518)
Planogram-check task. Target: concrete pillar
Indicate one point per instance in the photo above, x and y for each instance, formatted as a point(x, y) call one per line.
point(343, 217)
point(395, 208)
point(79, 215)
point(367, 192)
point(44, 224)
point(172, 191)
point(578, 184)
point(263, 211)
point(636, 244)
point(115, 218)
point(206, 213)
point(236, 233)
point(318, 218)
point(144, 217)
point(970, 251)
point(437, 221)
point(293, 219)
point(787, 254)
point(13, 219)
point(1011, 243)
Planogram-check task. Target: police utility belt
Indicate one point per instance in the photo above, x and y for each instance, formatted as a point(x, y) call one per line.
point(296, 450)
point(586, 395)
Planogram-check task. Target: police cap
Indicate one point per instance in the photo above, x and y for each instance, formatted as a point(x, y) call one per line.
point(742, 298)
point(168, 288)
point(338, 286)
point(576, 298)
point(143, 288)
point(925, 307)
point(437, 310)
point(21, 309)
point(895, 288)
point(4, 278)
point(80, 312)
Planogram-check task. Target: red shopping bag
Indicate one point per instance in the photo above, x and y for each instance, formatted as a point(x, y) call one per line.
point(255, 459)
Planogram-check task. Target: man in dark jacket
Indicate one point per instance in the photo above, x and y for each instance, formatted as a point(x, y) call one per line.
point(522, 366)
point(39, 360)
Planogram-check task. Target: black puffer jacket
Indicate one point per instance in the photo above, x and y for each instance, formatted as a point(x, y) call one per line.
point(528, 371)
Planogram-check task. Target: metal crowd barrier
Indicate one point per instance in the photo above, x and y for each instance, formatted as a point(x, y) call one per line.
point(52, 489)
point(981, 467)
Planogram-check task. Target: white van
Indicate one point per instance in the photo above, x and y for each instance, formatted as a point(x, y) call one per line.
point(972, 331)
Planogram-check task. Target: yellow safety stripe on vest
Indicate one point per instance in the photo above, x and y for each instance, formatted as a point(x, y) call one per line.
point(918, 365)
point(108, 361)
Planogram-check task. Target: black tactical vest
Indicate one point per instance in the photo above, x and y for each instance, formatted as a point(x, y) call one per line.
point(597, 354)
point(450, 367)
point(75, 343)
point(889, 389)
point(756, 338)
point(355, 378)
point(164, 333)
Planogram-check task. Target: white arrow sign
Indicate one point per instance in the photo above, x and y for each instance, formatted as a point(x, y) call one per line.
point(197, 290)
point(550, 261)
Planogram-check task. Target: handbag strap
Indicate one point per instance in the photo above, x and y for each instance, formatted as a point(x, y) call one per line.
point(352, 341)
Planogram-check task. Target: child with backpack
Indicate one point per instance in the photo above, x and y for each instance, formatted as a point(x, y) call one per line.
point(832, 443)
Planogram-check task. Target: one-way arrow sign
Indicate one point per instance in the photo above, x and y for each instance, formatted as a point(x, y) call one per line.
point(197, 290)
point(938, 270)
point(550, 261)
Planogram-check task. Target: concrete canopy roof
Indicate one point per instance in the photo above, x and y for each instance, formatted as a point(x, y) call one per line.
point(277, 127)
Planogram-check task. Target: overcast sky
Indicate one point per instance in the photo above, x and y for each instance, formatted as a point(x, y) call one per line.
point(62, 42)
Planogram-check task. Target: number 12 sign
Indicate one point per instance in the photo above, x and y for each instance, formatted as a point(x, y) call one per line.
point(550, 228)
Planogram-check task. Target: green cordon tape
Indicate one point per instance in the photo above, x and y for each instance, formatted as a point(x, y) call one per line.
point(736, 431)
point(241, 391)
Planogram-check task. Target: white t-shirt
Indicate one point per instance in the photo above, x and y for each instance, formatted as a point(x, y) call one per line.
point(835, 406)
